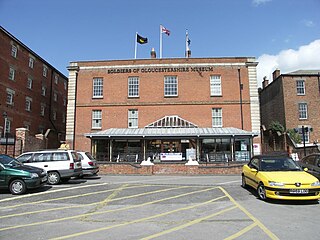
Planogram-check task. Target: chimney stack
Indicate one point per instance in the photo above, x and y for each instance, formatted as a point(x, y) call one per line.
point(265, 82)
point(153, 53)
point(275, 74)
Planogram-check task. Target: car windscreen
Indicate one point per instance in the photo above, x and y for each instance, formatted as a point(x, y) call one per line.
point(279, 164)
point(8, 161)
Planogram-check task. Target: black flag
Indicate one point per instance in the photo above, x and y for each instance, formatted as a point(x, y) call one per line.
point(141, 40)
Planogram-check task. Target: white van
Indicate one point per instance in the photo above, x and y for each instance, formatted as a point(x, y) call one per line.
point(60, 165)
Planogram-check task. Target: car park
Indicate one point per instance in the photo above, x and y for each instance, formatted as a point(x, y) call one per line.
point(279, 177)
point(89, 164)
point(61, 165)
point(17, 177)
point(312, 163)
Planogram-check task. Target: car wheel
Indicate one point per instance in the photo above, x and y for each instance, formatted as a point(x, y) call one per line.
point(262, 192)
point(243, 182)
point(17, 187)
point(53, 178)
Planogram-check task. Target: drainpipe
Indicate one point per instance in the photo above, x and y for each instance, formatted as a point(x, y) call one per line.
point(241, 88)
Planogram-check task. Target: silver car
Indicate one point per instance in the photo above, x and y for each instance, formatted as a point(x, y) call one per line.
point(89, 164)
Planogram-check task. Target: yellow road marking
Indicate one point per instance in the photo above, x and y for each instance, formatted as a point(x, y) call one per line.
point(89, 204)
point(255, 220)
point(243, 231)
point(107, 211)
point(48, 192)
point(143, 219)
point(188, 224)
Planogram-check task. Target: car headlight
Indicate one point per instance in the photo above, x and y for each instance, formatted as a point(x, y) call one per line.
point(34, 175)
point(315, 184)
point(276, 184)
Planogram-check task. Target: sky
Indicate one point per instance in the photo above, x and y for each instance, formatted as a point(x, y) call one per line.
point(280, 34)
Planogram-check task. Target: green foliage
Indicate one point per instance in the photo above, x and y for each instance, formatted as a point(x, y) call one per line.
point(294, 136)
point(276, 127)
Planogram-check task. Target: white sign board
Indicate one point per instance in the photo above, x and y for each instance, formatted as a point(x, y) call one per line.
point(171, 156)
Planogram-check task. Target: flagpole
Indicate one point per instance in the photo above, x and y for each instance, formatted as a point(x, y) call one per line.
point(187, 47)
point(160, 41)
point(135, 46)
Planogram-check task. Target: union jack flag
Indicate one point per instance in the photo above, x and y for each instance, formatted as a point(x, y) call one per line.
point(164, 30)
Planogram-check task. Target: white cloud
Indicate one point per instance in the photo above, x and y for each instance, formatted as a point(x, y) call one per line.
point(260, 2)
point(308, 23)
point(305, 58)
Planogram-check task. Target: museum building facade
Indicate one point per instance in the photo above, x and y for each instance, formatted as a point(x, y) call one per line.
point(169, 109)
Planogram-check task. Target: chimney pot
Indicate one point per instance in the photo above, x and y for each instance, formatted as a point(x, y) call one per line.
point(276, 74)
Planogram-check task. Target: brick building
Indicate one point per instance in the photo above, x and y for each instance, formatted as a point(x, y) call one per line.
point(33, 94)
point(166, 109)
point(293, 100)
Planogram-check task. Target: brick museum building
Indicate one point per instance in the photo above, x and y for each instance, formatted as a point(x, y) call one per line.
point(172, 109)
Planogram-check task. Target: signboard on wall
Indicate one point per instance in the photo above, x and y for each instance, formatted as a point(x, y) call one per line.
point(171, 156)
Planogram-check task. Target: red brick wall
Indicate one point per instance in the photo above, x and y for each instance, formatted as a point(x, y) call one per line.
point(169, 169)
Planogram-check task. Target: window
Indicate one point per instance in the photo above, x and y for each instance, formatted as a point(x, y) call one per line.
point(54, 115)
point(31, 62)
point(42, 109)
point(43, 90)
point(10, 96)
point(11, 73)
point(97, 87)
point(303, 111)
point(8, 125)
point(56, 79)
point(64, 101)
point(45, 71)
point(216, 117)
point(132, 118)
point(29, 83)
point(133, 87)
point(300, 87)
point(96, 119)
point(63, 118)
point(55, 96)
point(170, 86)
point(14, 51)
point(65, 85)
point(306, 133)
point(28, 104)
point(215, 85)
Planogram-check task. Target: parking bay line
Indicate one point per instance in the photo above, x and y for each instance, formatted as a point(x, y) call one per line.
point(86, 205)
point(255, 220)
point(107, 211)
point(146, 218)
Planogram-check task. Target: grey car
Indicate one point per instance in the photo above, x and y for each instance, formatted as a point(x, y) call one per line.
point(312, 162)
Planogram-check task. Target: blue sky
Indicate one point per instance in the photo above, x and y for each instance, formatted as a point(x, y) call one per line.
point(61, 31)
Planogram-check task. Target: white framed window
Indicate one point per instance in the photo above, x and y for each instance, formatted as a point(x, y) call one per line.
point(45, 71)
point(29, 83)
point(31, 62)
point(28, 104)
point(215, 85)
point(54, 115)
point(306, 133)
point(56, 79)
point(42, 109)
point(170, 86)
point(132, 118)
point(10, 96)
point(97, 88)
point(300, 87)
point(8, 125)
point(96, 119)
point(303, 111)
point(216, 117)
point(133, 87)
point(12, 72)
point(14, 51)
point(55, 96)
point(43, 90)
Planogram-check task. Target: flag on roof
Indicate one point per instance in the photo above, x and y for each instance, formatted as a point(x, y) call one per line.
point(141, 39)
point(165, 30)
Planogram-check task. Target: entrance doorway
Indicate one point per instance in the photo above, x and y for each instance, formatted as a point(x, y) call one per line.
point(170, 146)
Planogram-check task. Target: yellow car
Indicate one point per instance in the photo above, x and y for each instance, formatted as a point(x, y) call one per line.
point(279, 177)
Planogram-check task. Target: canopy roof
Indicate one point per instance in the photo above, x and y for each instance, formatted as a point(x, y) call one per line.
point(169, 133)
